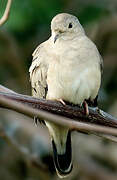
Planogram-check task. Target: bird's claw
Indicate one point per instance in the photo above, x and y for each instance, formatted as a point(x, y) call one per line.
point(61, 101)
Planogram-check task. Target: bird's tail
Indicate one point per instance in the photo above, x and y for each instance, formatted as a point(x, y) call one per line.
point(63, 162)
point(61, 143)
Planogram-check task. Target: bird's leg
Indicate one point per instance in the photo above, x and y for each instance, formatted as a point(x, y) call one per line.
point(61, 101)
point(86, 109)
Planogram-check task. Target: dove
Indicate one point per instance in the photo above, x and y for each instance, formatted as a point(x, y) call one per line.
point(67, 68)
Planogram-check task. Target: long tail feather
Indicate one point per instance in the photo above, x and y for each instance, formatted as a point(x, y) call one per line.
point(63, 162)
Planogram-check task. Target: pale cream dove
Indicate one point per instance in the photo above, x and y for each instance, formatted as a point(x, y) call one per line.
point(66, 67)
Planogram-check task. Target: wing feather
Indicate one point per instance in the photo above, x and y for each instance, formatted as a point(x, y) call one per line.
point(101, 64)
point(38, 72)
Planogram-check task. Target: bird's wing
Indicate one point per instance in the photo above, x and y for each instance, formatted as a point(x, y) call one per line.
point(101, 64)
point(38, 71)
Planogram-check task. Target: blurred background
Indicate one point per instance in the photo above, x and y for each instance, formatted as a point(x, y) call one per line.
point(25, 150)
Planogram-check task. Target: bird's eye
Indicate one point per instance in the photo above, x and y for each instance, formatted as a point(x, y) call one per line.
point(70, 25)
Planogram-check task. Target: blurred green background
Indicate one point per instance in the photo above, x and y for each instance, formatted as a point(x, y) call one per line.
point(28, 26)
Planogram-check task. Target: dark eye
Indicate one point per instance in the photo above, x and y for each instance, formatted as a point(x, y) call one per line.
point(70, 25)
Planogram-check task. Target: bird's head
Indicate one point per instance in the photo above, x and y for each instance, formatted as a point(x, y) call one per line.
point(65, 25)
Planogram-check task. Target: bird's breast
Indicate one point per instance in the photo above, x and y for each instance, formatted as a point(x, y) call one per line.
point(73, 82)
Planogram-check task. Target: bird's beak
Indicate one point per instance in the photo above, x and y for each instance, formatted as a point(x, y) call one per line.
point(56, 37)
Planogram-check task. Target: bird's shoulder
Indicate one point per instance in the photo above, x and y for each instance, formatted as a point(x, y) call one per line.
point(39, 57)
point(41, 50)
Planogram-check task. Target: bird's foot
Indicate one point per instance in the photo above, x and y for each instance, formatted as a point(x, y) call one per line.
point(86, 109)
point(61, 101)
